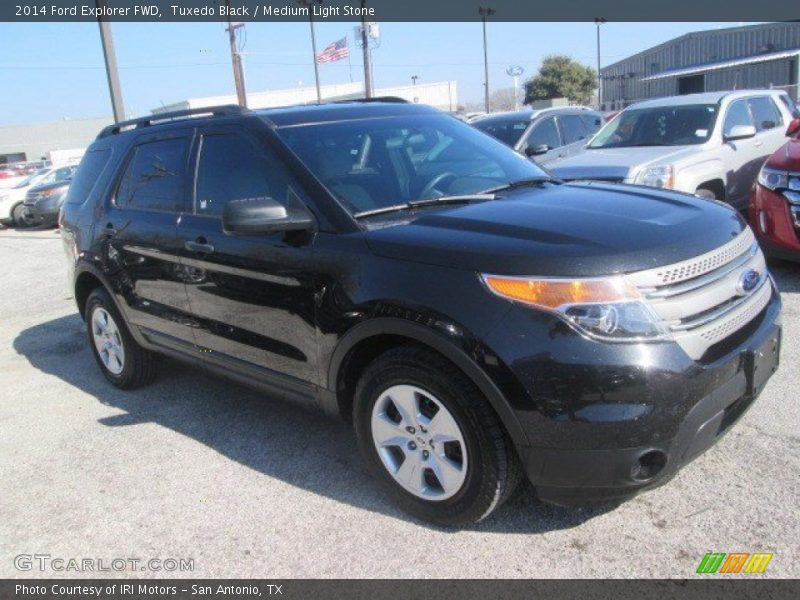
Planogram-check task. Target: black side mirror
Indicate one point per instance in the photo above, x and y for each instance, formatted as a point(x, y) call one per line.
point(251, 216)
point(536, 150)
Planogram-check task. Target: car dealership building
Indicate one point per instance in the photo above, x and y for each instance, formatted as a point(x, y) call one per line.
point(754, 56)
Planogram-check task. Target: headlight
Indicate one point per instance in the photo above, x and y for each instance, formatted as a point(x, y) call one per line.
point(660, 177)
point(772, 179)
point(605, 308)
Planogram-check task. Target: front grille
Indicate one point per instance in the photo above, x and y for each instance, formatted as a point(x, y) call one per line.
point(699, 301)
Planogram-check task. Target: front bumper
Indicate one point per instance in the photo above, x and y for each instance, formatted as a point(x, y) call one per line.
point(608, 421)
point(36, 216)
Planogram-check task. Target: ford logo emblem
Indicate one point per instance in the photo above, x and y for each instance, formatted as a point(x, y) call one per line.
point(748, 281)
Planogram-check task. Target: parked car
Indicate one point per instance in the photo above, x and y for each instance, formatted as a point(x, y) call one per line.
point(544, 135)
point(43, 202)
point(775, 201)
point(11, 200)
point(476, 319)
point(710, 144)
point(10, 175)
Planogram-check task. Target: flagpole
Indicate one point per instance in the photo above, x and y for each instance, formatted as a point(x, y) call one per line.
point(308, 5)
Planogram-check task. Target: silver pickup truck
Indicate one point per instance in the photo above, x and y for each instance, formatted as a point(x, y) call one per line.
point(709, 144)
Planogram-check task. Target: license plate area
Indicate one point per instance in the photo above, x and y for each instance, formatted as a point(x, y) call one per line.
point(762, 363)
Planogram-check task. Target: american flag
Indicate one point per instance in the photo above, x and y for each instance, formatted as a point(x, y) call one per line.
point(335, 51)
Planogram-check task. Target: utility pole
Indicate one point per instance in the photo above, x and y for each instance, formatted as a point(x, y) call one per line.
point(236, 59)
point(599, 21)
point(308, 4)
point(484, 13)
point(414, 80)
point(365, 50)
point(110, 56)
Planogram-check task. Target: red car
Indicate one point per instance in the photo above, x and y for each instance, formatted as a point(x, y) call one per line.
point(775, 201)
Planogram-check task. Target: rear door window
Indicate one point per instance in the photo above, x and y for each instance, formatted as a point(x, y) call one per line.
point(155, 176)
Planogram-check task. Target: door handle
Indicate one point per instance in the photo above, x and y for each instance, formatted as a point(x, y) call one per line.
point(200, 246)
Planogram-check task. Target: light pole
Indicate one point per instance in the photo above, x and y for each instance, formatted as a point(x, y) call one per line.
point(515, 71)
point(599, 21)
point(308, 4)
point(365, 50)
point(110, 56)
point(485, 12)
point(236, 59)
point(414, 80)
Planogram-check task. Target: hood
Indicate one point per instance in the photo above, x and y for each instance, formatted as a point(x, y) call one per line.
point(48, 186)
point(581, 229)
point(787, 157)
point(614, 163)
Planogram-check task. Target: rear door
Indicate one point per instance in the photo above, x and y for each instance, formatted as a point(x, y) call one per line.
point(251, 296)
point(140, 245)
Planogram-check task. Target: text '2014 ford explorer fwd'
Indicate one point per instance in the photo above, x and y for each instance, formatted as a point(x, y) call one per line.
point(474, 318)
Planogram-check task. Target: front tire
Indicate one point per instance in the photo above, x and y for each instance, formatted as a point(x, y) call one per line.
point(706, 193)
point(432, 439)
point(18, 216)
point(123, 361)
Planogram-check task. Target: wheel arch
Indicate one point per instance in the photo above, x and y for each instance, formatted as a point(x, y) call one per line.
point(366, 340)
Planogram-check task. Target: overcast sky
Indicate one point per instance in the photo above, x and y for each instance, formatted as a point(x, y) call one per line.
point(55, 70)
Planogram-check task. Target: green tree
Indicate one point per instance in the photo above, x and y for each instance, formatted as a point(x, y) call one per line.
point(561, 77)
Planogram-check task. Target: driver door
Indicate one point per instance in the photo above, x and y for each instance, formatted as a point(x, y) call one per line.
point(544, 133)
point(251, 296)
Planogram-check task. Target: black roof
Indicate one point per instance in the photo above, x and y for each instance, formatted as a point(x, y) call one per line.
point(342, 111)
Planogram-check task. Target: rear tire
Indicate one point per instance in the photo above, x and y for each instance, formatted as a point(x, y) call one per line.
point(462, 464)
point(121, 359)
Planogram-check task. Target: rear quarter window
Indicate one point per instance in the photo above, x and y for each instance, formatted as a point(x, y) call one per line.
point(85, 178)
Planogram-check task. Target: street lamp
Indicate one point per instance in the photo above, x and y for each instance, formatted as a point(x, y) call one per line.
point(485, 12)
point(414, 80)
point(599, 21)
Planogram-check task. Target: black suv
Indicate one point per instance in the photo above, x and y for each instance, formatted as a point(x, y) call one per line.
point(474, 318)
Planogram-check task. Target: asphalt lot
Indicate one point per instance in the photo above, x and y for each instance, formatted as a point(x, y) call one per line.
point(197, 467)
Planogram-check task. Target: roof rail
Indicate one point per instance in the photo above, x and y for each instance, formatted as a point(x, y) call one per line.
point(226, 110)
point(396, 99)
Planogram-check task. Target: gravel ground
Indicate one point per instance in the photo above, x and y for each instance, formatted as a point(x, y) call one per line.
point(197, 467)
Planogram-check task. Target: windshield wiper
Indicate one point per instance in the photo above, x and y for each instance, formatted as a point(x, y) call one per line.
point(530, 182)
point(459, 199)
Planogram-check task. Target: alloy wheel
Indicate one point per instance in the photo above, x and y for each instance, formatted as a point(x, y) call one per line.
point(108, 341)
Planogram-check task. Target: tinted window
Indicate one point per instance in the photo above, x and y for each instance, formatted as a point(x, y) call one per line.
point(154, 177)
point(506, 130)
point(572, 128)
point(85, 178)
point(231, 167)
point(658, 126)
point(765, 113)
point(62, 173)
point(738, 114)
point(592, 122)
point(544, 132)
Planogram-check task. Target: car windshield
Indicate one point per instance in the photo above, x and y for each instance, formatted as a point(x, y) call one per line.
point(375, 163)
point(506, 129)
point(31, 179)
point(658, 126)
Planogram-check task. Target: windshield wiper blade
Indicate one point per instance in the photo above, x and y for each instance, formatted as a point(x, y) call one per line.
point(522, 183)
point(455, 199)
point(461, 199)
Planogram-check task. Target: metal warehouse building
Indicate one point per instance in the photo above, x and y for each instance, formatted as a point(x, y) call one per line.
point(755, 56)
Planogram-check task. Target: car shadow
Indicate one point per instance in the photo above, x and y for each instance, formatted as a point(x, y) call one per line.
point(786, 274)
point(272, 436)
